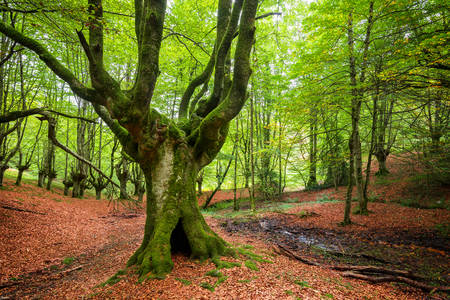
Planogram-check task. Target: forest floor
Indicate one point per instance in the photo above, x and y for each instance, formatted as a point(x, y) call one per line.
point(57, 247)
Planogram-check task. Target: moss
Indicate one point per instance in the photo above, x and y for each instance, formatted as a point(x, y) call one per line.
point(184, 281)
point(252, 255)
point(214, 273)
point(302, 283)
point(251, 265)
point(172, 210)
point(68, 260)
point(221, 280)
point(114, 279)
point(207, 286)
point(248, 280)
point(221, 264)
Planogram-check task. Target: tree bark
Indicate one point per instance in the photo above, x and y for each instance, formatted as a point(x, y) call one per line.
point(2, 173)
point(174, 222)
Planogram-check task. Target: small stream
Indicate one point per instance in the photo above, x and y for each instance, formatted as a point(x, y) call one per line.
point(307, 240)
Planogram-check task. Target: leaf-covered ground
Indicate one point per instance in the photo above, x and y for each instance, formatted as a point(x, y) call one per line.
point(54, 246)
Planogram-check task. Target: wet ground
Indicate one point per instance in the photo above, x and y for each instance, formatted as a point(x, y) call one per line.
point(423, 252)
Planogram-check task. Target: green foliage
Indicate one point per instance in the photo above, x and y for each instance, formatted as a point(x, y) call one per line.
point(251, 265)
point(222, 264)
point(214, 273)
point(208, 286)
point(325, 198)
point(68, 260)
point(184, 281)
point(302, 283)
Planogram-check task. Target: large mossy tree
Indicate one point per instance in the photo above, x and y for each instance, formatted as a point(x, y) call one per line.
point(170, 152)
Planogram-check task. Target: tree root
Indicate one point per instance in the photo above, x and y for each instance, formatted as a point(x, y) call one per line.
point(373, 274)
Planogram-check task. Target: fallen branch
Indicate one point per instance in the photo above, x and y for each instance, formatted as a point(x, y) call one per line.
point(22, 210)
point(373, 274)
point(353, 255)
point(63, 273)
point(285, 251)
point(376, 269)
point(391, 278)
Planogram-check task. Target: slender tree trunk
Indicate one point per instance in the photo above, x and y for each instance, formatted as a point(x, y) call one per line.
point(312, 181)
point(372, 136)
point(358, 170)
point(41, 178)
point(252, 161)
point(348, 197)
point(236, 142)
point(200, 183)
point(3, 169)
point(123, 174)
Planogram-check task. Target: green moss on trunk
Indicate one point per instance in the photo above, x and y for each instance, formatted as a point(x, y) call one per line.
point(174, 222)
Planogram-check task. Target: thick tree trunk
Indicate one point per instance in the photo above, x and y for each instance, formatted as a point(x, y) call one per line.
point(98, 193)
point(174, 222)
point(381, 158)
point(77, 190)
point(20, 175)
point(67, 185)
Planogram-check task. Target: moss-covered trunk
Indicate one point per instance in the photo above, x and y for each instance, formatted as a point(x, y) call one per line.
point(174, 222)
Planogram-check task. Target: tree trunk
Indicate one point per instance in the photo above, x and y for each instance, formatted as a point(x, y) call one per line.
point(174, 222)
point(49, 181)
point(141, 193)
point(77, 190)
point(2, 173)
point(98, 193)
point(312, 181)
point(41, 178)
point(67, 185)
point(381, 158)
point(362, 209)
point(19, 175)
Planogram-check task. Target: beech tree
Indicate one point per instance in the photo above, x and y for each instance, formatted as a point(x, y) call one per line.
point(170, 152)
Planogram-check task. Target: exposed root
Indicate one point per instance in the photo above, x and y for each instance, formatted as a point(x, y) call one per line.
point(372, 274)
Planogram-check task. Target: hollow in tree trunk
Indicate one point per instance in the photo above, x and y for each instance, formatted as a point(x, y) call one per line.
point(174, 222)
